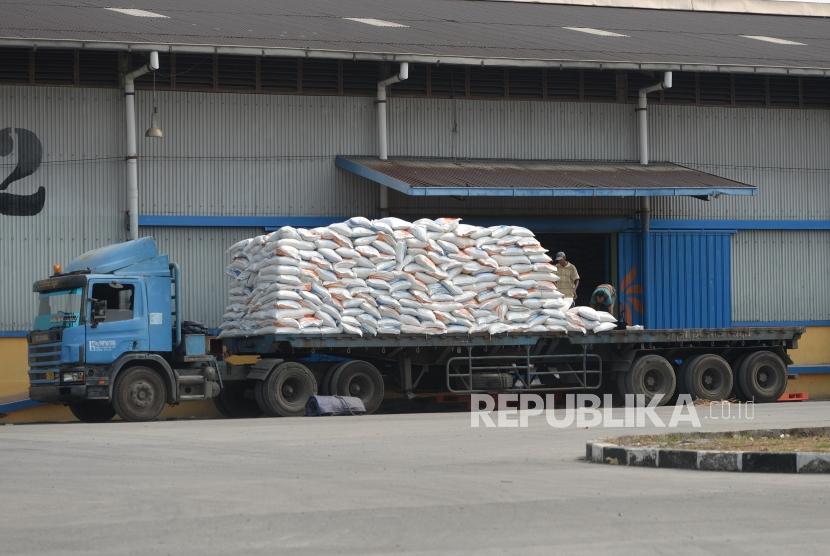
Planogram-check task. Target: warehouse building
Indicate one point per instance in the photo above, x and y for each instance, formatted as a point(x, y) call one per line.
point(501, 112)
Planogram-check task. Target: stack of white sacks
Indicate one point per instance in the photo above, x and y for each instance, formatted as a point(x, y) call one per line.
point(384, 277)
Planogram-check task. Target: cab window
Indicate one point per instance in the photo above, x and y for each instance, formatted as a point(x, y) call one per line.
point(119, 298)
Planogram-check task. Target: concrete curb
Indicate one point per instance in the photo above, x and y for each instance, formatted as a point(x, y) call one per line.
point(709, 460)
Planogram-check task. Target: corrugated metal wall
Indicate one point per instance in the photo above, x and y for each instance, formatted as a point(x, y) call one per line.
point(82, 172)
point(272, 154)
point(688, 286)
point(783, 151)
point(781, 276)
point(200, 254)
point(241, 154)
point(235, 154)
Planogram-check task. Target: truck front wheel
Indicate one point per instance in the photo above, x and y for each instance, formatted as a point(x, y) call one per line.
point(92, 411)
point(139, 394)
point(651, 375)
point(286, 390)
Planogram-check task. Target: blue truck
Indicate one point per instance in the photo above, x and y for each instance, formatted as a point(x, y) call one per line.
point(109, 339)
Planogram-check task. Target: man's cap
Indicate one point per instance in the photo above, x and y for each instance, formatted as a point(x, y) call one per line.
point(559, 256)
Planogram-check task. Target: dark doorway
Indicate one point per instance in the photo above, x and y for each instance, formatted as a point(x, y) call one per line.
point(590, 253)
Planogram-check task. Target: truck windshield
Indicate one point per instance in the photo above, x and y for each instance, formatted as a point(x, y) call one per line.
point(58, 309)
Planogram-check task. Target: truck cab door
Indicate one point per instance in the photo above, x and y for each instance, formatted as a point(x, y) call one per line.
point(121, 326)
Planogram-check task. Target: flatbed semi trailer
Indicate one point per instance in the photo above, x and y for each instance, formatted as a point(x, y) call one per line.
point(109, 339)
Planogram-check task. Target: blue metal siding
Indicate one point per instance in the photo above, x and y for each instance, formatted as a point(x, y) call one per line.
point(690, 282)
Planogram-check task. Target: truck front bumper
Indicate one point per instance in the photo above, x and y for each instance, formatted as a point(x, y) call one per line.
point(55, 393)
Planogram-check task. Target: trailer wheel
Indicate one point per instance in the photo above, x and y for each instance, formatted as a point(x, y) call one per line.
point(286, 390)
point(139, 394)
point(706, 377)
point(762, 377)
point(325, 385)
point(234, 404)
point(361, 380)
point(651, 375)
point(736, 363)
point(92, 411)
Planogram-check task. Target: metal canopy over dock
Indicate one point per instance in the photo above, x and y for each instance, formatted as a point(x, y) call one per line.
point(522, 178)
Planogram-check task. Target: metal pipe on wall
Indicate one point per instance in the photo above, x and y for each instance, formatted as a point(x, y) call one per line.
point(645, 213)
point(642, 113)
point(132, 148)
point(383, 148)
point(645, 234)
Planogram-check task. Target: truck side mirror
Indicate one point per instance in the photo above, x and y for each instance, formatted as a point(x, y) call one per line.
point(99, 311)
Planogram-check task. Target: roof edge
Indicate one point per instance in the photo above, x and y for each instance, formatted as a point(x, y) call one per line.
point(410, 57)
point(757, 7)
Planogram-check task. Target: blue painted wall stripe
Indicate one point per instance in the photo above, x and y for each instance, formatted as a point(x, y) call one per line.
point(732, 225)
point(804, 323)
point(173, 221)
point(13, 333)
point(809, 369)
point(17, 405)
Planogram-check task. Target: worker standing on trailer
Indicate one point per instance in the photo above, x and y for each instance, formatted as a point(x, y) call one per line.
point(568, 276)
point(603, 298)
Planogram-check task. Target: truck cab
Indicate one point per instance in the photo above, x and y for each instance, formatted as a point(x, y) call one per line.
point(107, 337)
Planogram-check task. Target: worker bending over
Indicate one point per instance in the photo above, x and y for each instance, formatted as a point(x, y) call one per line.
point(603, 298)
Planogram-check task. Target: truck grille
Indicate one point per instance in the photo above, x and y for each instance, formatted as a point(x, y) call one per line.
point(45, 348)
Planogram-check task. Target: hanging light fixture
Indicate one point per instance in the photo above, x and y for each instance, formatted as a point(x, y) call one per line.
point(154, 130)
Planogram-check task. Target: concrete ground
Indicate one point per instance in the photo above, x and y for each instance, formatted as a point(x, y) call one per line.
point(419, 484)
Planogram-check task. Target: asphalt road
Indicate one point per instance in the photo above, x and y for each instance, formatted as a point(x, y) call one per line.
point(420, 484)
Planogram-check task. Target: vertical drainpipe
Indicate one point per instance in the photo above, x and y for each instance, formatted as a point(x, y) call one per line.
point(645, 208)
point(380, 102)
point(132, 148)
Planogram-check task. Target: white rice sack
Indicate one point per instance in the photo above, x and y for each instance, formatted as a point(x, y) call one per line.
point(395, 223)
point(586, 313)
point(360, 276)
point(498, 328)
point(510, 261)
point(604, 326)
point(288, 251)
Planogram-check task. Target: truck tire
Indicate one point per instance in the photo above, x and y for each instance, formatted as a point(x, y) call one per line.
point(325, 385)
point(92, 411)
point(361, 380)
point(651, 375)
point(736, 363)
point(234, 404)
point(762, 377)
point(286, 390)
point(139, 394)
point(706, 377)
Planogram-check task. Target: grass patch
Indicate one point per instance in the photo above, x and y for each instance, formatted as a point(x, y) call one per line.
point(776, 440)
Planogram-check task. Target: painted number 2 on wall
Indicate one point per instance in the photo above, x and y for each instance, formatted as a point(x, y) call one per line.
point(29, 155)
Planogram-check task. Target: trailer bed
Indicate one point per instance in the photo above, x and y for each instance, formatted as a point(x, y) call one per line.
point(276, 343)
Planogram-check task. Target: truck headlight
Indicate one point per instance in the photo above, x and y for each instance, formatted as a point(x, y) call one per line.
point(74, 376)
